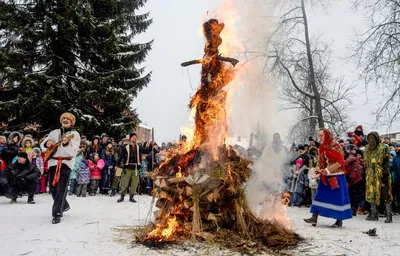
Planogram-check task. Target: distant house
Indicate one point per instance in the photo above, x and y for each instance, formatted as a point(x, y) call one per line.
point(239, 141)
point(144, 133)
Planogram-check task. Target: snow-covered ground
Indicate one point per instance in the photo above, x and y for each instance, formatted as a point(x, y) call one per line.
point(94, 226)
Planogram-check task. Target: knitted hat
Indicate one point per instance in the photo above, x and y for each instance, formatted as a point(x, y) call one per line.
point(69, 116)
point(299, 161)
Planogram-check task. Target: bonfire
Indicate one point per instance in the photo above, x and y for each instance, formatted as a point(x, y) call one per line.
point(201, 186)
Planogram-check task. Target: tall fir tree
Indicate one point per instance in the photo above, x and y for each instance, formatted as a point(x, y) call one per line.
point(74, 55)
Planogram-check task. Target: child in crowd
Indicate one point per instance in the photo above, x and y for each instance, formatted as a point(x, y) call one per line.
point(73, 175)
point(35, 158)
point(298, 183)
point(95, 166)
point(82, 177)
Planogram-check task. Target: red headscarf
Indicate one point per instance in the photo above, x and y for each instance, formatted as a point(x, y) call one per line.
point(332, 150)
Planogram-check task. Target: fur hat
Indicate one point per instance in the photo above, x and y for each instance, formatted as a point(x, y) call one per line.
point(23, 154)
point(23, 143)
point(68, 115)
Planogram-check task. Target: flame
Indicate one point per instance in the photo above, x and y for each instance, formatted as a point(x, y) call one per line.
point(286, 198)
point(165, 233)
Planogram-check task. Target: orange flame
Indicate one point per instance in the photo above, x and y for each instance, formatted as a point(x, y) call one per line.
point(286, 198)
point(165, 233)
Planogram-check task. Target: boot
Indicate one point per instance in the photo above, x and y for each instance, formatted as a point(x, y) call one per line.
point(354, 210)
point(338, 224)
point(389, 213)
point(30, 199)
point(313, 220)
point(121, 199)
point(373, 214)
point(56, 220)
point(131, 199)
point(113, 192)
point(66, 208)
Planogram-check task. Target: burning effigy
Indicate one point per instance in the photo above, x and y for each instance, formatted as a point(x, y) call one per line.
point(201, 185)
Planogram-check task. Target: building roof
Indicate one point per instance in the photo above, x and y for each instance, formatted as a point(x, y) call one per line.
point(145, 127)
point(243, 142)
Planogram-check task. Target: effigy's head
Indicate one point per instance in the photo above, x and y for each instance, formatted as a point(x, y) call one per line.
point(212, 30)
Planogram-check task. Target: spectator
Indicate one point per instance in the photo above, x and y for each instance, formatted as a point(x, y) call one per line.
point(298, 183)
point(82, 177)
point(396, 172)
point(355, 177)
point(36, 159)
point(108, 156)
point(3, 142)
point(95, 166)
point(10, 151)
point(21, 177)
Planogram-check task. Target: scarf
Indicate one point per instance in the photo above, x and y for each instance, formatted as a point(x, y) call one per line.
point(332, 151)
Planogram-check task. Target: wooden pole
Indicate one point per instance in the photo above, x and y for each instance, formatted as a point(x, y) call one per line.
point(152, 150)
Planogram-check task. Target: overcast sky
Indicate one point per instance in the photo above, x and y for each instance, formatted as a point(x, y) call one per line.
point(164, 103)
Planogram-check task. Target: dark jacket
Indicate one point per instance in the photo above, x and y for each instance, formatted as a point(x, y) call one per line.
point(10, 151)
point(108, 159)
point(17, 172)
point(133, 154)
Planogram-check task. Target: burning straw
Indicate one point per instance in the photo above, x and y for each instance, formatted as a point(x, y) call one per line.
point(201, 186)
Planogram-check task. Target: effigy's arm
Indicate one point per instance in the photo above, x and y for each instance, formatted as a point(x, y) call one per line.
point(233, 61)
point(192, 62)
point(227, 59)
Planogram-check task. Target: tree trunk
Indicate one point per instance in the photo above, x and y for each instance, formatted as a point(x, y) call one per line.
point(317, 96)
point(313, 121)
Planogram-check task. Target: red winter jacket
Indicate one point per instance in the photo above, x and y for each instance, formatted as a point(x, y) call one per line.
point(3, 165)
point(95, 169)
point(354, 168)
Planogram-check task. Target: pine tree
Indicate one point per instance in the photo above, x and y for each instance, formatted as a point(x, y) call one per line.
point(74, 55)
point(115, 57)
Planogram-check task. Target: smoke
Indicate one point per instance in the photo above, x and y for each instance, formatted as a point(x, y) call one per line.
point(252, 98)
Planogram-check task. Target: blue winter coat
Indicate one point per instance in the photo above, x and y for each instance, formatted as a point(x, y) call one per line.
point(396, 168)
point(109, 160)
point(298, 182)
point(83, 172)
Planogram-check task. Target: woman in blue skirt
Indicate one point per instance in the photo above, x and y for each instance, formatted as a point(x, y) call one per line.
point(332, 198)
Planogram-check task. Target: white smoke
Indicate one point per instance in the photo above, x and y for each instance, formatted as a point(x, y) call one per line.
point(253, 99)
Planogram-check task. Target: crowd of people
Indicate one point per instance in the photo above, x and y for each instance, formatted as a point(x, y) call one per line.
point(371, 173)
point(102, 165)
point(370, 169)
